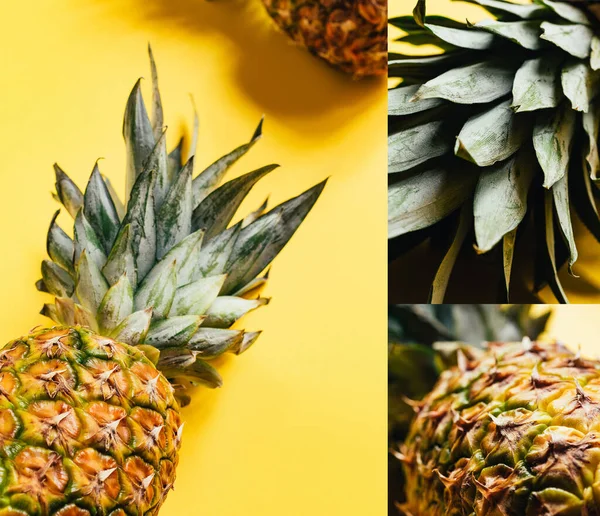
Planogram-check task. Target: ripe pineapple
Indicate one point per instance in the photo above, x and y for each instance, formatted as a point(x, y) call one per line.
point(145, 295)
point(496, 134)
point(349, 34)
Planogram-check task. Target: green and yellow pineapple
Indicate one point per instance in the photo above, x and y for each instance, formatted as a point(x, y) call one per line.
point(493, 140)
point(145, 294)
point(349, 34)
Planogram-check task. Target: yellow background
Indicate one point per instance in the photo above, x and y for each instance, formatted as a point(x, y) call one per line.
point(299, 427)
point(575, 326)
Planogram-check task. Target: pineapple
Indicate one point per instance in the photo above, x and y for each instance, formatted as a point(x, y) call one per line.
point(493, 141)
point(512, 431)
point(145, 293)
point(349, 34)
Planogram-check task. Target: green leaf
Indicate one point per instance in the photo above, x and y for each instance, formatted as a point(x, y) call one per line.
point(57, 280)
point(415, 145)
point(188, 255)
point(215, 212)
point(500, 201)
point(100, 210)
point(595, 53)
point(68, 192)
point(524, 11)
point(579, 84)
point(157, 162)
point(116, 305)
point(250, 337)
point(119, 206)
point(442, 276)
point(174, 163)
point(84, 317)
point(536, 85)
point(226, 310)
point(424, 66)
point(212, 258)
point(591, 123)
point(134, 328)
point(474, 84)
point(419, 13)
point(508, 251)
point(400, 101)
point(87, 240)
point(140, 216)
point(91, 285)
point(157, 109)
point(174, 331)
point(523, 33)
point(157, 291)
point(560, 192)
point(567, 12)
point(492, 136)
point(198, 296)
point(121, 260)
point(423, 199)
point(464, 38)
point(254, 215)
point(65, 309)
point(59, 246)
point(200, 372)
point(260, 242)
point(553, 279)
point(208, 180)
point(138, 135)
point(552, 140)
point(213, 342)
point(573, 39)
point(174, 218)
point(49, 310)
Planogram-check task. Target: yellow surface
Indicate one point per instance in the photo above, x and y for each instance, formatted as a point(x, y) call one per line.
point(299, 427)
point(577, 326)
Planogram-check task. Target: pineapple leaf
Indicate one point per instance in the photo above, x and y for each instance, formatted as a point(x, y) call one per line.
point(524, 33)
point(140, 215)
point(259, 243)
point(250, 337)
point(187, 254)
point(119, 206)
point(415, 145)
point(473, 84)
point(423, 199)
point(501, 8)
point(254, 215)
point(567, 12)
point(595, 53)
point(138, 135)
point(583, 194)
point(591, 125)
point(65, 308)
point(400, 101)
point(100, 210)
point(174, 331)
point(536, 85)
point(157, 109)
point(552, 278)
point(57, 280)
point(215, 212)
point(121, 260)
point(573, 39)
point(116, 305)
point(419, 13)
point(560, 192)
point(174, 218)
point(212, 258)
point(552, 140)
point(87, 240)
point(68, 192)
point(226, 310)
point(423, 66)
point(500, 201)
point(508, 251)
point(200, 372)
point(158, 290)
point(464, 38)
point(157, 162)
point(208, 180)
point(84, 317)
point(212, 342)
point(174, 163)
point(579, 84)
point(60, 246)
point(91, 285)
point(49, 310)
point(134, 328)
point(492, 136)
point(198, 296)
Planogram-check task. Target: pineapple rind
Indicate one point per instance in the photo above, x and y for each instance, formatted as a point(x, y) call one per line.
point(513, 432)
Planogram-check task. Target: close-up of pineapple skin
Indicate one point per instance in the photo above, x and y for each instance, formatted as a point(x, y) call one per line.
point(349, 34)
point(88, 426)
point(513, 430)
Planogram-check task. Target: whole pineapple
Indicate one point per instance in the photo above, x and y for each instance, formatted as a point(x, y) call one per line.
point(349, 34)
point(493, 141)
point(513, 431)
point(145, 294)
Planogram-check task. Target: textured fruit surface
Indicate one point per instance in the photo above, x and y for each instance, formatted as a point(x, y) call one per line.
point(350, 34)
point(513, 432)
point(88, 426)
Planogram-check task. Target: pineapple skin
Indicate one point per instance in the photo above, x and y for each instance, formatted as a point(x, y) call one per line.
point(516, 431)
point(88, 426)
point(349, 34)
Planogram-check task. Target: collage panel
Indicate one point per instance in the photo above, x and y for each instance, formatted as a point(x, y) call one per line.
point(178, 285)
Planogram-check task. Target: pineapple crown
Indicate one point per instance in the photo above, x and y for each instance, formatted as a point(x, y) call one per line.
point(166, 270)
point(497, 132)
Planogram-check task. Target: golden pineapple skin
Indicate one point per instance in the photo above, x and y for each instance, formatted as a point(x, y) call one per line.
point(516, 431)
point(88, 426)
point(349, 34)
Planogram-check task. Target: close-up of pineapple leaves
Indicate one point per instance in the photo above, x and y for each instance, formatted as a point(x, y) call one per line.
point(145, 294)
point(350, 35)
point(493, 140)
